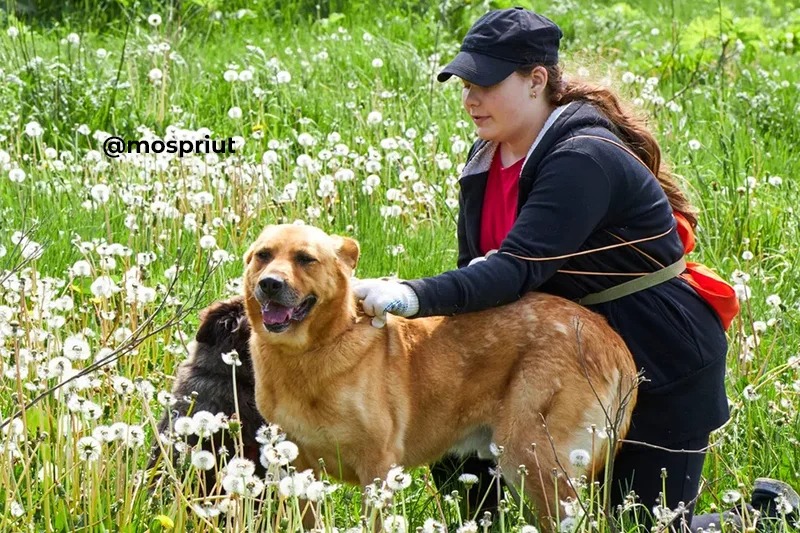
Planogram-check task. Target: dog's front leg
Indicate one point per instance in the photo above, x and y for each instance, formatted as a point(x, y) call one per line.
point(372, 466)
point(371, 471)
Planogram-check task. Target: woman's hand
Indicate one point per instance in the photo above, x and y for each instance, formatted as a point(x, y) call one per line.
point(385, 296)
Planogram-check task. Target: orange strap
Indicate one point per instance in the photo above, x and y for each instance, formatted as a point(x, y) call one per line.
point(707, 283)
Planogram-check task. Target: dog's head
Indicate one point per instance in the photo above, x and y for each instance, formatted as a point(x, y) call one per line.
point(223, 327)
point(223, 319)
point(295, 272)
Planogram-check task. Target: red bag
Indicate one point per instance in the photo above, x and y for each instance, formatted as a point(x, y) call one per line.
point(707, 283)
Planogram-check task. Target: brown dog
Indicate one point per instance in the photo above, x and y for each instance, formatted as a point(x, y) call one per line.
point(538, 371)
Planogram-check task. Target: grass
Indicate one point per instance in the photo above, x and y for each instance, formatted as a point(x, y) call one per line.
point(725, 78)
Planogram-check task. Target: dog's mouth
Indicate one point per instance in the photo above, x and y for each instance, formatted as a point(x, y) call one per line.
point(277, 317)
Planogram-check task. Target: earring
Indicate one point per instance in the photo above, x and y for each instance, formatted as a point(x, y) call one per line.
point(533, 94)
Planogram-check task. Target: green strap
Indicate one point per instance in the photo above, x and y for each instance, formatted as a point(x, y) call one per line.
point(635, 285)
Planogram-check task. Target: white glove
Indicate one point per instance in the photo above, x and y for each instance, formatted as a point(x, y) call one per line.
point(482, 258)
point(382, 296)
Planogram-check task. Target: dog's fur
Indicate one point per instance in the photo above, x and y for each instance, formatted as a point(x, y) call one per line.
point(223, 328)
point(530, 376)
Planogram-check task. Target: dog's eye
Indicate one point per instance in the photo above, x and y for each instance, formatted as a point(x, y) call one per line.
point(264, 255)
point(305, 259)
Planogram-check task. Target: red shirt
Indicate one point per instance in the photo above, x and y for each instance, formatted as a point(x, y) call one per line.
point(499, 203)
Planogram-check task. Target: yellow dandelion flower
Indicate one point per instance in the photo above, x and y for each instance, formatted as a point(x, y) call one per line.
point(165, 521)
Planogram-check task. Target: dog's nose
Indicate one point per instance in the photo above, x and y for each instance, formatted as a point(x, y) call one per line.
point(271, 285)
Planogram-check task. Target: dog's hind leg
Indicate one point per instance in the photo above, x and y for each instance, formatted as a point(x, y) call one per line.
point(527, 451)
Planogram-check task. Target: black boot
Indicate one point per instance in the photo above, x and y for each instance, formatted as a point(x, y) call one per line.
point(765, 499)
point(775, 499)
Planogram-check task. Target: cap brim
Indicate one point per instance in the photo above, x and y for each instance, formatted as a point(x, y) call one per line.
point(478, 69)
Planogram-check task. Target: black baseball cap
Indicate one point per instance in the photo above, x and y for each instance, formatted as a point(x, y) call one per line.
point(501, 42)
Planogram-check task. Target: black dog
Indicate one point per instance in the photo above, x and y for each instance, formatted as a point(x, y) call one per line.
point(204, 383)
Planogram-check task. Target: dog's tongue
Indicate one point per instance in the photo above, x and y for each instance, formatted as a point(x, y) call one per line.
point(275, 313)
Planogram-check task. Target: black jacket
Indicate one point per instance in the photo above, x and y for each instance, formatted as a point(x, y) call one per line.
point(582, 194)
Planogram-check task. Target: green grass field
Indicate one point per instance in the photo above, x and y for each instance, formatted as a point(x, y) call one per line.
point(338, 123)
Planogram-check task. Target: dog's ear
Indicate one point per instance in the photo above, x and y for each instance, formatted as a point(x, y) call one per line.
point(347, 249)
point(248, 255)
point(221, 317)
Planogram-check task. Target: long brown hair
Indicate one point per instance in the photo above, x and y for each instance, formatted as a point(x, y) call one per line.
point(631, 129)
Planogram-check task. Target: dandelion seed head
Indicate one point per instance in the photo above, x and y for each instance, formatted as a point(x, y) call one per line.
point(101, 193)
point(134, 437)
point(395, 524)
point(16, 175)
point(76, 348)
point(470, 526)
point(184, 426)
point(33, 129)
point(315, 491)
point(207, 242)
point(253, 487)
point(103, 433)
point(579, 458)
point(750, 393)
point(742, 292)
point(122, 385)
point(269, 434)
point(398, 480)
point(567, 525)
point(57, 366)
point(468, 479)
point(16, 509)
point(203, 460)
point(206, 424)
point(91, 410)
point(234, 484)
point(89, 449)
point(104, 287)
point(239, 466)
point(231, 358)
point(775, 181)
point(431, 526)
point(731, 496)
point(295, 484)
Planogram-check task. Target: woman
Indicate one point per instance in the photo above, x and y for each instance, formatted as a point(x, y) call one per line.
point(562, 184)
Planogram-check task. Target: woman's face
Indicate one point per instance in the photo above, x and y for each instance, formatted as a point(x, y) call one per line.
point(501, 112)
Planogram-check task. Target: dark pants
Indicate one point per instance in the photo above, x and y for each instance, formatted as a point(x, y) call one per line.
point(637, 468)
